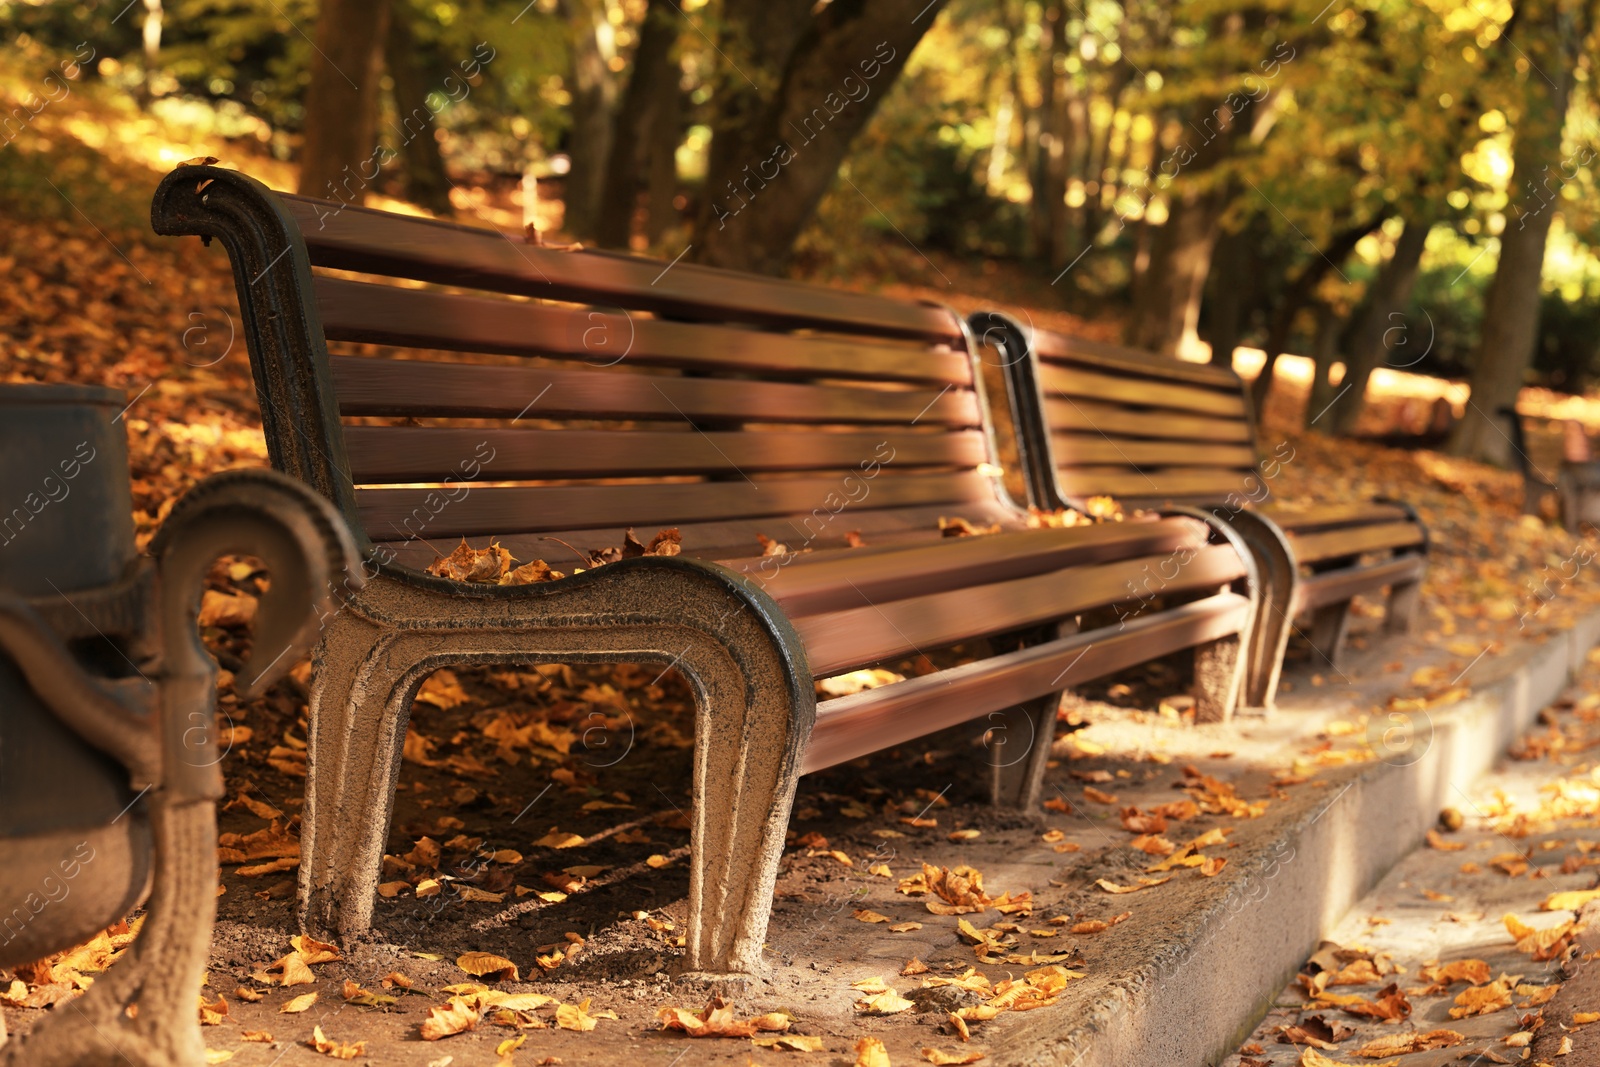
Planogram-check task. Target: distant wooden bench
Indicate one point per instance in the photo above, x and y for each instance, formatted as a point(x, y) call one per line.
point(1099, 419)
point(1576, 483)
point(658, 395)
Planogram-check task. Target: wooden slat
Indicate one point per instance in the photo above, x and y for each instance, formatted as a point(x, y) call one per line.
point(1328, 516)
point(460, 390)
point(385, 314)
point(412, 454)
point(377, 242)
point(821, 582)
point(876, 631)
point(1336, 587)
point(1310, 548)
point(1065, 416)
point(1060, 348)
point(855, 725)
point(492, 511)
point(820, 530)
point(1073, 450)
point(1057, 381)
point(1119, 482)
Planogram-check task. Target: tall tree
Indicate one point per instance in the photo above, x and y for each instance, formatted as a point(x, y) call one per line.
point(651, 94)
point(593, 87)
point(342, 100)
point(1370, 329)
point(798, 81)
point(423, 172)
point(1548, 33)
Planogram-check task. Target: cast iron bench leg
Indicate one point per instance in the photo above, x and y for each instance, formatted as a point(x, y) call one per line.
point(1330, 626)
point(1404, 600)
point(1275, 609)
point(755, 709)
point(1019, 747)
point(163, 969)
point(1219, 669)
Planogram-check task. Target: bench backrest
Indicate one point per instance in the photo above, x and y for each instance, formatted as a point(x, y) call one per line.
point(1128, 424)
point(599, 391)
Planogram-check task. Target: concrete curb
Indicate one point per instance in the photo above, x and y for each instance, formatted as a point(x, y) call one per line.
point(1202, 991)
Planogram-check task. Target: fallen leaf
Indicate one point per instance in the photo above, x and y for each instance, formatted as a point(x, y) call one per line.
point(1404, 1044)
point(868, 916)
point(718, 1020)
point(298, 1004)
point(1571, 900)
point(871, 1053)
point(789, 1042)
point(933, 1055)
point(487, 965)
point(447, 1020)
point(339, 1050)
point(886, 1003)
point(1144, 883)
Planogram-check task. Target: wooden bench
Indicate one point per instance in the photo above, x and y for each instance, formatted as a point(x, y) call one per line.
point(1097, 419)
point(1576, 483)
point(655, 395)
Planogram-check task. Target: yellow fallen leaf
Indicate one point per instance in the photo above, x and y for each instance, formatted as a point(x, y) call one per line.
point(789, 1042)
point(556, 839)
point(868, 916)
point(933, 1055)
point(1144, 883)
point(298, 1004)
point(577, 1017)
point(1583, 1018)
point(904, 928)
point(886, 1003)
point(1098, 796)
point(218, 1055)
point(881, 870)
point(1571, 900)
point(871, 1053)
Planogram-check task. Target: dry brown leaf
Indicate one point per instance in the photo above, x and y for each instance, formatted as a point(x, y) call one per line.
point(339, 1050)
point(718, 1020)
point(488, 965)
point(1482, 1000)
point(456, 1017)
point(1404, 1044)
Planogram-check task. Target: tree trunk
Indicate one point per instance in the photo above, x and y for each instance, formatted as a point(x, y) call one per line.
point(423, 173)
point(661, 173)
point(1229, 261)
point(340, 157)
point(631, 143)
point(780, 151)
point(1167, 306)
point(1298, 293)
point(592, 39)
point(1324, 350)
point(1386, 299)
point(152, 47)
point(1511, 307)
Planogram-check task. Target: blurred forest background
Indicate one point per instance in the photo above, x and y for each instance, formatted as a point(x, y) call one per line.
point(1369, 183)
